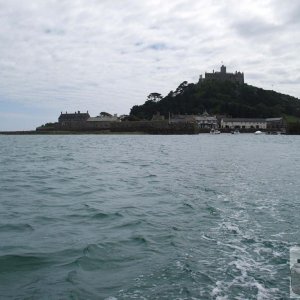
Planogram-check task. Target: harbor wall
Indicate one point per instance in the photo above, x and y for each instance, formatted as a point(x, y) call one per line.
point(150, 127)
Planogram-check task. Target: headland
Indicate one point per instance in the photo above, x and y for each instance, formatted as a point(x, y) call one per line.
point(220, 100)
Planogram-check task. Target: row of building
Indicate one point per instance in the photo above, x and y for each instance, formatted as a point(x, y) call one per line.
point(175, 123)
point(66, 118)
point(80, 120)
point(104, 123)
point(223, 122)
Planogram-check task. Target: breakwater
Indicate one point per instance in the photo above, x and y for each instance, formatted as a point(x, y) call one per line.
point(148, 127)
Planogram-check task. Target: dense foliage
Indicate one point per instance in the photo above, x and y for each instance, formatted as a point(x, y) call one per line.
point(224, 98)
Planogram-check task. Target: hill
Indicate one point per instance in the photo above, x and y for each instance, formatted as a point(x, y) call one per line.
point(222, 98)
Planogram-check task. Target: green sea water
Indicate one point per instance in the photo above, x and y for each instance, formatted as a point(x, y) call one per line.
point(148, 217)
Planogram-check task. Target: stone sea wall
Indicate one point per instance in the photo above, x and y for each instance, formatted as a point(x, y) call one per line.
point(150, 127)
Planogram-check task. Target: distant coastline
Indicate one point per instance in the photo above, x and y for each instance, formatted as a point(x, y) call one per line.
point(34, 132)
point(220, 100)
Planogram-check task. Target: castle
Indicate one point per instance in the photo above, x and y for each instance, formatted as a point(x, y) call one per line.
point(237, 77)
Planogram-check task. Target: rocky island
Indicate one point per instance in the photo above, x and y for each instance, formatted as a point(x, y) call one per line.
point(219, 100)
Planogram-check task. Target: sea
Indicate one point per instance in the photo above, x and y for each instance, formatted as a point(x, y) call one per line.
point(148, 216)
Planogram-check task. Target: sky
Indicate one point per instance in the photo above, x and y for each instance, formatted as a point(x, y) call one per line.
point(108, 55)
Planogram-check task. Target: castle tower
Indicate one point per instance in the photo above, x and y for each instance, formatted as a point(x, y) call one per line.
point(236, 77)
point(223, 69)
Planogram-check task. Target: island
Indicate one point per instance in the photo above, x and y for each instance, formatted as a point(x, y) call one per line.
point(218, 101)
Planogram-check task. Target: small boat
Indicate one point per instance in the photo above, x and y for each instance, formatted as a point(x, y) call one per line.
point(214, 131)
point(258, 132)
point(235, 131)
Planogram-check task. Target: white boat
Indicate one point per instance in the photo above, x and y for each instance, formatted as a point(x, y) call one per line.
point(258, 132)
point(215, 131)
point(236, 131)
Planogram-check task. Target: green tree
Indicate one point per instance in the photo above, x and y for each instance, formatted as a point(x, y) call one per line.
point(105, 114)
point(154, 97)
point(182, 86)
point(228, 98)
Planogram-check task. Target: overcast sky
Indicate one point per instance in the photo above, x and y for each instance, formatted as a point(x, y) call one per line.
point(108, 55)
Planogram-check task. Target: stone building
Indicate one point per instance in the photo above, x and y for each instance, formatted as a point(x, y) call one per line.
point(69, 119)
point(157, 117)
point(276, 124)
point(243, 123)
point(236, 77)
point(206, 121)
point(202, 121)
point(182, 119)
point(104, 118)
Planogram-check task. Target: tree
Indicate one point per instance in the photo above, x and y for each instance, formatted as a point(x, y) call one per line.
point(182, 86)
point(154, 97)
point(105, 114)
point(124, 117)
point(243, 101)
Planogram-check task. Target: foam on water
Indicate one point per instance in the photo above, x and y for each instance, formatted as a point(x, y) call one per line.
point(147, 217)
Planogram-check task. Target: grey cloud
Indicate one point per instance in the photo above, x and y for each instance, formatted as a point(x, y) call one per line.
point(255, 28)
point(287, 12)
point(293, 81)
point(108, 55)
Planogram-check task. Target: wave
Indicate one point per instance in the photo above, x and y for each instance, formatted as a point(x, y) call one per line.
point(102, 215)
point(16, 227)
point(15, 263)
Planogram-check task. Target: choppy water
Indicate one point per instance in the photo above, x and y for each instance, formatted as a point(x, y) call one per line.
point(148, 217)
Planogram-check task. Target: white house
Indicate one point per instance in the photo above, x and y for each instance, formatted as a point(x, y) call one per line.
point(206, 121)
point(203, 121)
point(104, 118)
point(243, 123)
